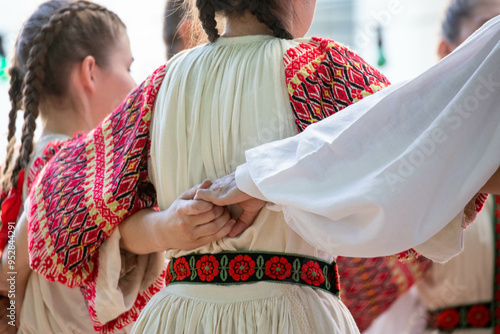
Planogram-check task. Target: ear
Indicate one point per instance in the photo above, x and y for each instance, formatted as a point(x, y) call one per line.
point(184, 30)
point(88, 73)
point(444, 48)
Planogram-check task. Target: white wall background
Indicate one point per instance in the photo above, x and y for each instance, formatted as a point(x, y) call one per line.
point(411, 31)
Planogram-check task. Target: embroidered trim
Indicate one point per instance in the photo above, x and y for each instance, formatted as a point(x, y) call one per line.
point(251, 267)
point(323, 77)
point(460, 317)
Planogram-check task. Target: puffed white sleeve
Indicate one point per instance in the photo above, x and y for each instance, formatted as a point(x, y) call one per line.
point(398, 167)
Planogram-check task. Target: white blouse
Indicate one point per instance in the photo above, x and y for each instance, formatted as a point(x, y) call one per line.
point(386, 168)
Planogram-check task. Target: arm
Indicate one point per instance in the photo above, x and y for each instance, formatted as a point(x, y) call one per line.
point(388, 166)
point(186, 224)
point(493, 184)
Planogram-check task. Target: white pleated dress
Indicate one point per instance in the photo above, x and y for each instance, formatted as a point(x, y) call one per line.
point(216, 102)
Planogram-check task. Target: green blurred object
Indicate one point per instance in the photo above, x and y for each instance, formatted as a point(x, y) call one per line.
point(381, 58)
point(4, 75)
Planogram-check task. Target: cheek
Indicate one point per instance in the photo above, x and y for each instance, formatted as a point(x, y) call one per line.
point(121, 86)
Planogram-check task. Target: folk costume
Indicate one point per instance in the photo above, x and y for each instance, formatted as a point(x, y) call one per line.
point(193, 120)
point(50, 307)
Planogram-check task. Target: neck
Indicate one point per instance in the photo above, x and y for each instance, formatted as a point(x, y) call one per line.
point(61, 120)
point(245, 25)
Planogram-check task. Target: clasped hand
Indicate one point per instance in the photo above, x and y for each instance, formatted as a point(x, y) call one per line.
point(223, 192)
point(202, 215)
point(197, 217)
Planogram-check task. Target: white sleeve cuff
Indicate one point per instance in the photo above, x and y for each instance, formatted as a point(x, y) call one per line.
point(245, 183)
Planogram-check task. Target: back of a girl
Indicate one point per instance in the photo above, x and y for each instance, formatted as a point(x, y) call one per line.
point(70, 67)
point(216, 102)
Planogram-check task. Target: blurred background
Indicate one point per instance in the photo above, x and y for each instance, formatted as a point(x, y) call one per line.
point(399, 37)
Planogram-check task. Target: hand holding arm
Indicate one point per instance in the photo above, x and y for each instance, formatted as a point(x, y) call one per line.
point(188, 223)
point(224, 191)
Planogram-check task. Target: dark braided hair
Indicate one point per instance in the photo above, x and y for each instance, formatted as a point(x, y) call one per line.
point(59, 34)
point(457, 12)
point(15, 95)
point(264, 10)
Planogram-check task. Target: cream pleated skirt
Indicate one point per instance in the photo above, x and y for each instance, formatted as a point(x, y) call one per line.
point(263, 308)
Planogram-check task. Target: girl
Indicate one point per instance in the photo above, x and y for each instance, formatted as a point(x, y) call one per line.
point(72, 67)
point(253, 84)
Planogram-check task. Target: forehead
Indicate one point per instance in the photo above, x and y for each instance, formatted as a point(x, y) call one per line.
point(122, 45)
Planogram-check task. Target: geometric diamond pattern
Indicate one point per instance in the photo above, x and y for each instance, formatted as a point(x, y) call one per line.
point(323, 77)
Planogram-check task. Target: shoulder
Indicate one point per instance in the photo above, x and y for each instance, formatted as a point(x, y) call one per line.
point(44, 151)
point(324, 77)
point(326, 55)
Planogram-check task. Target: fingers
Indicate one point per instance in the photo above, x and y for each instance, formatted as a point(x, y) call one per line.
point(209, 195)
point(238, 228)
point(190, 193)
point(195, 207)
point(223, 232)
point(205, 184)
point(191, 207)
point(223, 191)
point(215, 225)
point(208, 216)
point(251, 209)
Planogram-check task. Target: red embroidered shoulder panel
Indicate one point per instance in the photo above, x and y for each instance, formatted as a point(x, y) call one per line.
point(323, 77)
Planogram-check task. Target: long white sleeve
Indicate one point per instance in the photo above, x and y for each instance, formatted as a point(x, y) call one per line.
point(394, 169)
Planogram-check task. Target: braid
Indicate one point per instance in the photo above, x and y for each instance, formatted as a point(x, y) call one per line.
point(264, 13)
point(35, 75)
point(15, 95)
point(207, 18)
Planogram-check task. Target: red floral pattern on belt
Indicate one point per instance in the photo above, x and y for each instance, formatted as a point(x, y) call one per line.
point(182, 268)
point(312, 274)
point(241, 267)
point(207, 268)
point(251, 267)
point(278, 267)
point(460, 317)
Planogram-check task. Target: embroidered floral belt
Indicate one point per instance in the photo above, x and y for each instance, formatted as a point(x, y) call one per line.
point(461, 317)
point(250, 267)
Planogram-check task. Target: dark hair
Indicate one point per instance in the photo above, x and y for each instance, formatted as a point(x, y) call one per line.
point(175, 13)
point(264, 10)
point(457, 12)
point(59, 34)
